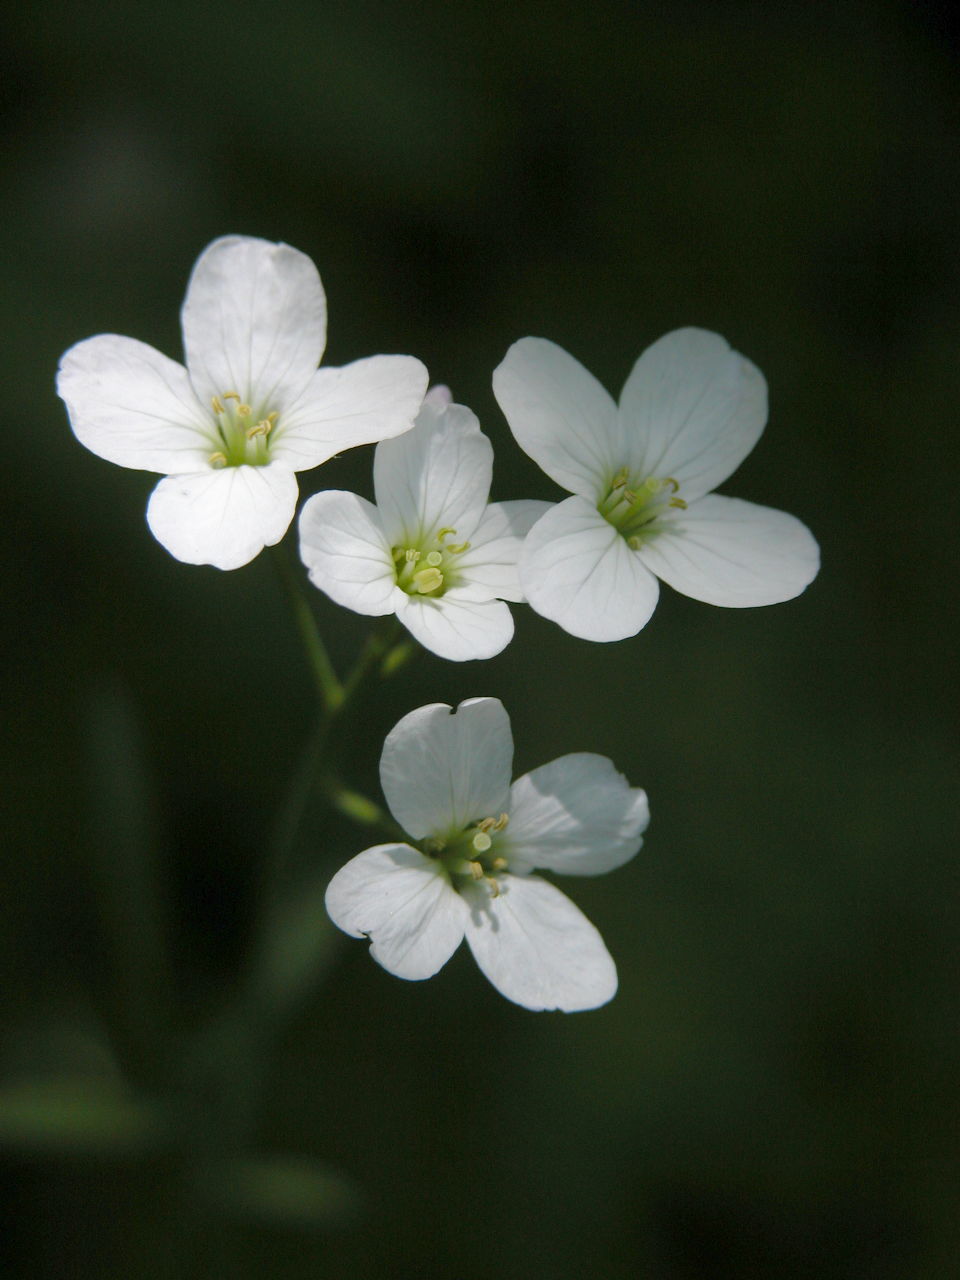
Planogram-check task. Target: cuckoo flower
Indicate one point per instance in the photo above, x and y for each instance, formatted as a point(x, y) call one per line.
point(433, 550)
point(474, 844)
point(641, 476)
point(250, 409)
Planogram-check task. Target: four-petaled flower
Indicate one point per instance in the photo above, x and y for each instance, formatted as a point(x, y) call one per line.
point(250, 409)
point(474, 842)
point(433, 550)
point(641, 476)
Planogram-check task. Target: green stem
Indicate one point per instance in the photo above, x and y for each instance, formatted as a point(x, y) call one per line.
point(328, 686)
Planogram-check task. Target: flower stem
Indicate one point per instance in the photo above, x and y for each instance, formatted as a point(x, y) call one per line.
point(328, 686)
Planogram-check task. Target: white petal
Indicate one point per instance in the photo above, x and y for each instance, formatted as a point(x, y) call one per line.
point(691, 409)
point(406, 905)
point(361, 403)
point(133, 406)
point(343, 546)
point(559, 413)
point(441, 771)
point(436, 476)
point(254, 322)
point(489, 570)
point(223, 518)
point(577, 570)
point(576, 815)
point(734, 553)
point(457, 629)
point(537, 948)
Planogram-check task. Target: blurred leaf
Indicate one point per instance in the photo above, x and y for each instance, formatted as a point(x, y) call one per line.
point(278, 1191)
point(72, 1116)
point(297, 948)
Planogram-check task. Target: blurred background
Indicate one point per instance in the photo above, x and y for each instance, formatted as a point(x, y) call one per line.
point(774, 1090)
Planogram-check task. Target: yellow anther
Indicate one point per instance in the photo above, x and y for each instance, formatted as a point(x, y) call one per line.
point(501, 822)
point(217, 460)
point(272, 416)
point(244, 410)
point(500, 864)
point(476, 870)
point(446, 532)
point(458, 549)
point(678, 502)
point(217, 405)
point(621, 478)
point(434, 558)
point(231, 395)
point(427, 580)
point(675, 483)
point(481, 842)
point(634, 543)
point(411, 555)
point(485, 824)
point(261, 429)
point(493, 887)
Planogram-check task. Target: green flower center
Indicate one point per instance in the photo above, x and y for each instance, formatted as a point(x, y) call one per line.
point(243, 434)
point(633, 505)
point(428, 567)
point(470, 855)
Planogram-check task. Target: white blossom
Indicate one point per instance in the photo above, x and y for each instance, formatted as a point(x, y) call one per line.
point(474, 844)
point(641, 476)
point(433, 550)
point(250, 409)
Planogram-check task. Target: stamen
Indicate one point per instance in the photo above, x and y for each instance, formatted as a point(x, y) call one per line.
point(217, 460)
point(675, 483)
point(458, 549)
point(500, 864)
point(446, 532)
point(485, 824)
point(427, 580)
point(244, 410)
point(272, 417)
point(493, 887)
point(481, 842)
point(411, 555)
point(261, 429)
point(217, 405)
point(677, 502)
point(501, 822)
point(232, 395)
point(476, 870)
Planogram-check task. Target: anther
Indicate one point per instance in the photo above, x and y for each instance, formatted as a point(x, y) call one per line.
point(459, 549)
point(493, 887)
point(217, 460)
point(446, 532)
point(675, 483)
point(217, 405)
point(244, 410)
point(427, 580)
point(476, 870)
point(232, 395)
point(261, 429)
point(500, 864)
point(501, 822)
point(677, 502)
point(485, 824)
point(481, 842)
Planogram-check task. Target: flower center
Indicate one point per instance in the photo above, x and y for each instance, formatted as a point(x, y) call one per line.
point(428, 568)
point(242, 433)
point(633, 506)
point(470, 855)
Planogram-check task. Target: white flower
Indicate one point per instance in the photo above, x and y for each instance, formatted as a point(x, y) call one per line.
point(432, 551)
point(250, 409)
point(475, 840)
point(641, 477)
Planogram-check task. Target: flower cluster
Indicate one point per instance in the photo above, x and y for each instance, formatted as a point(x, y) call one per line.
point(229, 430)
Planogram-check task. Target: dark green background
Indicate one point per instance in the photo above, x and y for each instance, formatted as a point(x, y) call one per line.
point(774, 1090)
